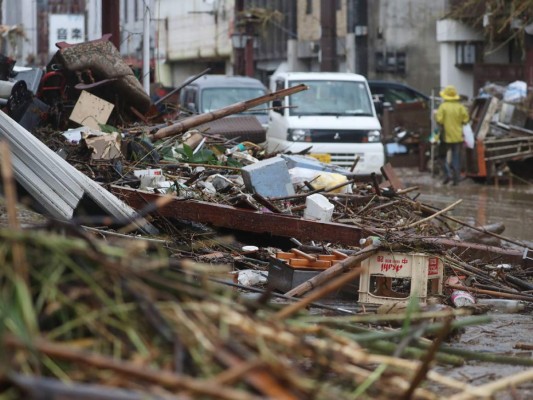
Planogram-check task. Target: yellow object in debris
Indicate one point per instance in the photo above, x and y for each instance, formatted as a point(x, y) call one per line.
point(325, 158)
point(328, 180)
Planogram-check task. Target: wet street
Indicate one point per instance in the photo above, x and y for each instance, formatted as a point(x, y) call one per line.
point(482, 203)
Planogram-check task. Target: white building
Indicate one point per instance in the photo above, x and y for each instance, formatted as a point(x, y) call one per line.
point(19, 30)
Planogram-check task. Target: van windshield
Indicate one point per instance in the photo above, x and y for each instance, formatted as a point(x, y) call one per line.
point(339, 98)
point(215, 98)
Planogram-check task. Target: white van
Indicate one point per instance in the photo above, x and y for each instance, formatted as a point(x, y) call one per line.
point(335, 117)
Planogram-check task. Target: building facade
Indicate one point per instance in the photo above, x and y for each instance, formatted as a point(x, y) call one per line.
point(409, 41)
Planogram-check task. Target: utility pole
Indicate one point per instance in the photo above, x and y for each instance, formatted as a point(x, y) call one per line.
point(249, 50)
point(243, 45)
point(361, 37)
point(328, 41)
point(111, 20)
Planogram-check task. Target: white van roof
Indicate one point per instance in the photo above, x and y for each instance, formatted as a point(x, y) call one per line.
point(334, 76)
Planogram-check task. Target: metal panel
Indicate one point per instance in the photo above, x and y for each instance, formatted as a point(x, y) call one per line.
point(41, 191)
point(54, 183)
point(41, 160)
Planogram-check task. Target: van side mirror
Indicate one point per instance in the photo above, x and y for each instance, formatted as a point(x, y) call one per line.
point(277, 106)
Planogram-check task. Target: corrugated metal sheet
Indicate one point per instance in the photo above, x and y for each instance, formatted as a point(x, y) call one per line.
point(53, 182)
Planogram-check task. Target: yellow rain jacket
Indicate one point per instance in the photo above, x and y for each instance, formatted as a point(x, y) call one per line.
point(452, 115)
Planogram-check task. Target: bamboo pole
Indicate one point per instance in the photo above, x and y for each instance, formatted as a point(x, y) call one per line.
point(191, 122)
point(164, 378)
point(424, 366)
point(10, 195)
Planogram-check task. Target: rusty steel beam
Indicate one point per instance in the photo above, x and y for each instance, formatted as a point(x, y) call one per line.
point(224, 216)
point(283, 225)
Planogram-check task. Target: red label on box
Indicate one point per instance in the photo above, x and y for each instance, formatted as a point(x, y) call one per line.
point(433, 268)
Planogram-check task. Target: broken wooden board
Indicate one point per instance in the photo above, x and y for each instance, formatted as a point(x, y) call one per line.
point(388, 173)
point(91, 111)
point(243, 219)
point(481, 114)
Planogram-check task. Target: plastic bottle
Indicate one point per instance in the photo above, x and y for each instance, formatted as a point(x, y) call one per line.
point(239, 147)
point(503, 305)
point(460, 298)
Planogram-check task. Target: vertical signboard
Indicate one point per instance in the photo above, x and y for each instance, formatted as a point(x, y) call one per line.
point(68, 28)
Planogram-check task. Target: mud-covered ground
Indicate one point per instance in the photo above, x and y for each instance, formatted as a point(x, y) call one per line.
point(485, 204)
point(497, 337)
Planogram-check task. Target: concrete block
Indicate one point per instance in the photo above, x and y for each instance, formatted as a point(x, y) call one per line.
point(269, 178)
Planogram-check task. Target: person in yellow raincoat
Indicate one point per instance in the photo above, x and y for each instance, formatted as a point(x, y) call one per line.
point(451, 116)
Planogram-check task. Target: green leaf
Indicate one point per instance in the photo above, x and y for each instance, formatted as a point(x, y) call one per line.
point(107, 128)
point(187, 150)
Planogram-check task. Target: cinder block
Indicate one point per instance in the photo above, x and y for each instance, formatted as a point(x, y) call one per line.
point(269, 178)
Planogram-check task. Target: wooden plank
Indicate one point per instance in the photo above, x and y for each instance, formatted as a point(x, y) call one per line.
point(243, 219)
point(389, 173)
point(487, 118)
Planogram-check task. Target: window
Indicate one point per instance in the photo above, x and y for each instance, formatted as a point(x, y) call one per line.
point(309, 7)
point(331, 98)
point(391, 61)
point(190, 99)
point(216, 98)
point(136, 9)
point(465, 54)
point(126, 11)
point(338, 4)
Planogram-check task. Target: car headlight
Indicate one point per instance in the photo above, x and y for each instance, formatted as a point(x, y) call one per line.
point(373, 136)
point(299, 135)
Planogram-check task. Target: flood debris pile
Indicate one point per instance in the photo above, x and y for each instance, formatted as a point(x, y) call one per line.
point(81, 316)
point(179, 262)
point(502, 123)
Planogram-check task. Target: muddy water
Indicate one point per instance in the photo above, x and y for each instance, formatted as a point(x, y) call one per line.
point(481, 204)
point(484, 204)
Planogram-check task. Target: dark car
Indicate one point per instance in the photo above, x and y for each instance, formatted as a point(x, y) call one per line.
point(405, 116)
point(388, 94)
point(213, 92)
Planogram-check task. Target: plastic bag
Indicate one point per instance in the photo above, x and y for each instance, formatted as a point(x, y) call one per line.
point(468, 135)
point(319, 179)
point(515, 92)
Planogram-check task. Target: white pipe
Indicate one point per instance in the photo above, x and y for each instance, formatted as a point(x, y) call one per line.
point(146, 47)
